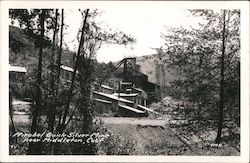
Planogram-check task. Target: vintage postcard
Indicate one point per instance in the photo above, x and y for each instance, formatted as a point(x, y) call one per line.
point(124, 81)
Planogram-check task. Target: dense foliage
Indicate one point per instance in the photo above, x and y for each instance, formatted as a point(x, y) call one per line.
point(196, 54)
point(60, 106)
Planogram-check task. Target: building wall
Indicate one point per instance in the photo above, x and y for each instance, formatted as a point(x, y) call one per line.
point(104, 109)
point(128, 113)
point(108, 91)
point(16, 76)
point(17, 84)
point(130, 98)
point(67, 75)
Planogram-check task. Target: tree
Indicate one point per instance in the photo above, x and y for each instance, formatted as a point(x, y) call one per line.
point(56, 103)
point(32, 147)
point(36, 24)
point(160, 69)
point(222, 96)
point(13, 128)
point(207, 60)
point(80, 91)
point(95, 36)
point(62, 124)
point(52, 107)
point(91, 39)
point(60, 47)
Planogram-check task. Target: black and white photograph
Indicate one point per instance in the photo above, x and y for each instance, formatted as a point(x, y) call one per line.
point(143, 79)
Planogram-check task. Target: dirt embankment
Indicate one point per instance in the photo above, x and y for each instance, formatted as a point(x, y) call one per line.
point(150, 137)
point(156, 137)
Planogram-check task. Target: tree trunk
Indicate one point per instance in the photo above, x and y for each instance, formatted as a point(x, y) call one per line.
point(220, 117)
point(35, 148)
point(51, 111)
point(66, 111)
point(60, 48)
point(13, 128)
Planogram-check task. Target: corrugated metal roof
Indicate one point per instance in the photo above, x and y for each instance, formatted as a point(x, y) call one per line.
point(107, 87)
point(132, 109)
point(113, 97)
point(67, 68)
point(103, 101)
point(138, 89)
point(126, 94)
point(145, 108)
point(17, 69)
point(126, 83)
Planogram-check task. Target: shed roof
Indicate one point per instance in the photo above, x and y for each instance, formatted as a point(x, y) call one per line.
point(146, 108)
point(111, 96)
point(130, 108)
point(17, 69)
point(106, 87)
point(126, 94)
point(126, 83)
point(103, 86)
point(67, 68)
point(103, 101)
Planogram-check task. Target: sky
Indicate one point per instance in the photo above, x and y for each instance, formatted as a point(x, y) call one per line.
point(144, 23)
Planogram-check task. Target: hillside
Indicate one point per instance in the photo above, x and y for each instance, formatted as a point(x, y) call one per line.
point(156, 74)
point(23, 51)
point(149, 67)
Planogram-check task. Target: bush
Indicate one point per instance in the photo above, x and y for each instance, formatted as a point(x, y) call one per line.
point(114, 145)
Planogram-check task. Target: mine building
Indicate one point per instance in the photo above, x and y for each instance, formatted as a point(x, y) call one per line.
point(131, 91)
point(17, 80)
point(16, 72)
point(66, 73)
point(125, 94)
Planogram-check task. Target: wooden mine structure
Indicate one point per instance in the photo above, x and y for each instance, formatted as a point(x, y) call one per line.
point(127, 94)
